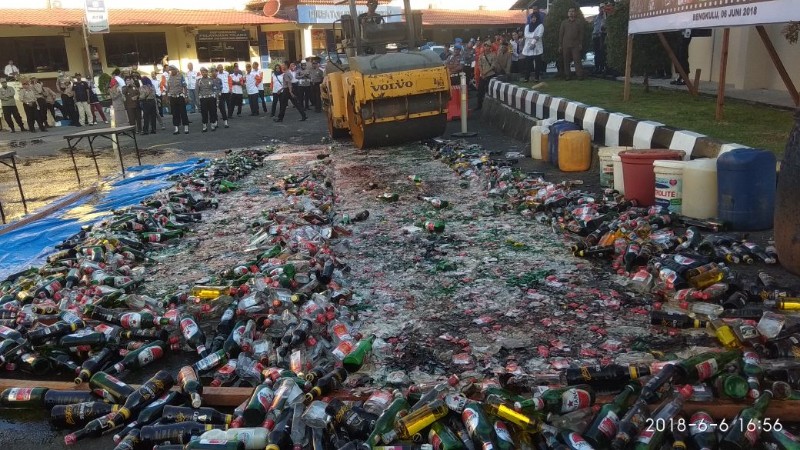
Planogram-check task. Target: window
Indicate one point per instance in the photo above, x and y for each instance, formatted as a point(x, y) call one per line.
point(35, 53)
point(128, 49)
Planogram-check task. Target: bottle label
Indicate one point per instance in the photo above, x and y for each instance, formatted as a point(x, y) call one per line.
point(340, 331)
point(646, 435)
point(502, 432)
point(471, 419)
point(608, 425)
point(131, 320)
point(105, 329)
point(706, 369)
point(435, 440)
point(697, 419)
point(227, 315)
point(19, 394)
point(752, 430)
point(684, 260)
point(264, 397)
point(343, 349)
point(149, 355)
point(455, 402)
point(189, 328)
point(576, 441)
point(573, 399)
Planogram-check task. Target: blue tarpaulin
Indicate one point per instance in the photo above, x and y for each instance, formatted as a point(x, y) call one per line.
point(30, 244)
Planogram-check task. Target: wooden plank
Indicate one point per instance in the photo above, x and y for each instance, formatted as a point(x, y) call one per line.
point(626, 95)
point(230, 397)
point(697, 78)
point(723, 72)
point(693, 88)
point(776, 60)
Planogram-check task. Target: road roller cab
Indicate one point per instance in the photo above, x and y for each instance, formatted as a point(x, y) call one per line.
point(381, 97)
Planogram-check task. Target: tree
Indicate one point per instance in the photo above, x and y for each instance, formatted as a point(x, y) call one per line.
point(791, 32)
point(556, 14)
point(649, 55)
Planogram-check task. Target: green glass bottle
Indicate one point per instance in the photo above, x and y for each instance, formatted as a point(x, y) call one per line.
point(604, 428)
point(478, 426)
point(731, 385)
point(441, 437)
point(190, 385)
point(559, 401)
point(109, 387)
point(139, 358)
point(703, 366)
point(30, 398)
point(745, 430)
point(257, 405)
point(389, 197)
point(652, 436)
point(780, 438)
point(504, 439)
point(355, 359)
point(384, 426)
point(702, 432)
point(93, 364)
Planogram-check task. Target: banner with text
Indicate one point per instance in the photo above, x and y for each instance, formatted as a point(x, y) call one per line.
point(648, 16)
point(96, 17)
point(313, 14)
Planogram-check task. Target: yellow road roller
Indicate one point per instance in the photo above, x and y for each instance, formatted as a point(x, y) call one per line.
point(378, 86)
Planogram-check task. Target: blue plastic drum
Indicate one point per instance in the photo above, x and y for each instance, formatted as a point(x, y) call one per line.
point(746, 180)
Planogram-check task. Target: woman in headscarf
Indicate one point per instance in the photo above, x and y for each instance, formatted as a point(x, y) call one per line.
point(533, 49)
point(118, 102)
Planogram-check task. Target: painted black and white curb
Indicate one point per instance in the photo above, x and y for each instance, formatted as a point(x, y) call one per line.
point(608, 129)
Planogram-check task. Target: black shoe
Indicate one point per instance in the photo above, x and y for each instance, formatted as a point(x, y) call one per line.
point(304, 119)
point(153, 132)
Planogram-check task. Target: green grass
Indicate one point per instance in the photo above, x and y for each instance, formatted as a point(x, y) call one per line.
point(744, 123)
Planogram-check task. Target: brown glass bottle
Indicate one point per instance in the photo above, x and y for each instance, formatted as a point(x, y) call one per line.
point(79, 414)
point(201, 415)
point(147, 393)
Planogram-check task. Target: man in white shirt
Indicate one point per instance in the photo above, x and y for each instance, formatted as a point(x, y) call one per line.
point(225, 96)
point(252, 82)
point(256, 68)
point(236, 81)
point(191, 83)
point(11, 71)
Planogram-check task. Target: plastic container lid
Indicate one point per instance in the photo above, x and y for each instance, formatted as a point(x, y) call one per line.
point(669, 164)
point(610, 151)
point(651, 154)
point(704, 164)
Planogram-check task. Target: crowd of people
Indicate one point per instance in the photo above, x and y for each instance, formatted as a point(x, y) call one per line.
point(142, 100)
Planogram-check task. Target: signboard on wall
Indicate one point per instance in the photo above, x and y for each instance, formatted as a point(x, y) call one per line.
point(275, 41)
point(648, 16)
point(330, 13)
point(222, 35)
point(96, 17)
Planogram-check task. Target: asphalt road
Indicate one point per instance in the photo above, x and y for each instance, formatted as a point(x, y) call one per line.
point(47, 173)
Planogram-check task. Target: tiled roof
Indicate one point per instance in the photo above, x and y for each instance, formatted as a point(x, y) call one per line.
point(123, 17)
point(471, 17)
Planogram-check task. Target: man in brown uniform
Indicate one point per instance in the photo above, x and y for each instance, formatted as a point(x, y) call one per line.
point(502, 61)
point(570, 43)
